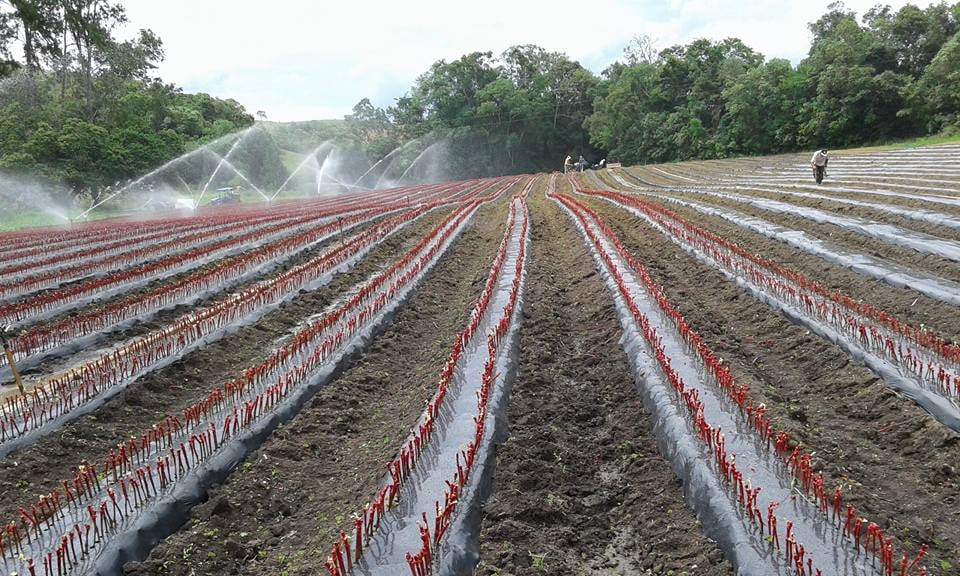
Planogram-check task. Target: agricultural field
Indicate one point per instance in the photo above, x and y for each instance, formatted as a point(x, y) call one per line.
point(712, 367)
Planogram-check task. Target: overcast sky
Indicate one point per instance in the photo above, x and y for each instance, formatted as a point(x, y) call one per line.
point(302, 60)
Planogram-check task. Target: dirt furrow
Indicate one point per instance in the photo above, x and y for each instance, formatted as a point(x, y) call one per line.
point(850, 184)
point(163, 317)
point(279, 513)
point(853, 210)
point(39, 468)
point(930, 263)
point(579, 485)
point(896, 463)
point(906, 304)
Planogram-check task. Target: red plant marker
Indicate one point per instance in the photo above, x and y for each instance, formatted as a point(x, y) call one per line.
point(800, 463)
point(412, 563)
point(346, 548)
point(856, 531)
point(358, 537)
point(772, 524)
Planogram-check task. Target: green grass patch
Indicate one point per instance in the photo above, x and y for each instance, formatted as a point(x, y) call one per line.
point(10, 221)
point(27, 219)
point(290, 160)
point(911, 143)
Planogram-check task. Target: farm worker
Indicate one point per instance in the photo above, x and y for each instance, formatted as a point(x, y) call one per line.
point(819, 165)
point(582, 163)
point(603, 163)
point(567, 164)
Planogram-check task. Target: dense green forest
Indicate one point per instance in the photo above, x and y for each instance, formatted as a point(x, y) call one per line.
point(871, 78)
point(79, 107)
point(888, 75)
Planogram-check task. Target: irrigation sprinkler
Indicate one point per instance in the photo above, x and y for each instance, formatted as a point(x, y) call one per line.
point(8, 331)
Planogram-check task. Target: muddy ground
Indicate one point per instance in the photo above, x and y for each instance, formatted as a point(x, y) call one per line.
point(279, 513)
point(897, 464)
point(39, 468)
point(579, 485)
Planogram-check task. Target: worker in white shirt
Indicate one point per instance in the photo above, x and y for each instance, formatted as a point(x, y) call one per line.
point(819, 165)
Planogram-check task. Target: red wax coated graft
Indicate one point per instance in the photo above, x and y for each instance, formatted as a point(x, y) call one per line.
point(850, 316)
point(164, 446)
point(799, 462)
point(420, 562)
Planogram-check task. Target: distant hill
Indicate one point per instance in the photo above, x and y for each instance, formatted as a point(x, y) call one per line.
point(304, 136)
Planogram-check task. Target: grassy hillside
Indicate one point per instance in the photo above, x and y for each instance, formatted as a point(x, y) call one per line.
point(302, 137)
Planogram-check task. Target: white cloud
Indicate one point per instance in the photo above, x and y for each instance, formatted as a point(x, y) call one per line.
point(776, 29)
point(302, 60)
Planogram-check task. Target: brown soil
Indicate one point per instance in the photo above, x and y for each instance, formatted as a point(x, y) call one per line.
point(90, 276)
point(280, 512)
point(862, 211)
point(39, 468)
point(906, 304)
point(705, 175)
point(163, 317)
point(903, 184)
point(787, 165)
point(55, 364)
point(931, 263)
point(579, 485)
point(898, 464)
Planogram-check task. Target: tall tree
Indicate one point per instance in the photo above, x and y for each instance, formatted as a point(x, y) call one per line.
point(935, 99)
point(370, 127)
point(37, 25)
point(761, 110)
point(90, 25)
point(913, 35)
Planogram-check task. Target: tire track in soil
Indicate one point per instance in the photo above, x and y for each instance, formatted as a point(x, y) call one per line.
point(897, 464)
point(901, 302)
point(280, 512)
point(39, 468)
point(579, 486)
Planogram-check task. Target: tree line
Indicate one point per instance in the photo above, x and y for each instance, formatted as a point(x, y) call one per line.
point(880, 76)
point(884, 76)
point(81, 107)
